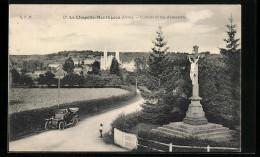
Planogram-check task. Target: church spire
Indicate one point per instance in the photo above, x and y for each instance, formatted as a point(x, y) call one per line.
point(117, 55)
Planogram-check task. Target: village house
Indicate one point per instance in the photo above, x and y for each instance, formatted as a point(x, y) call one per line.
point(34, 75)
point(77, 70)
point(60, 72)
point(89, 61)
point(76, 61)
point(129, 66)
point(53, 66)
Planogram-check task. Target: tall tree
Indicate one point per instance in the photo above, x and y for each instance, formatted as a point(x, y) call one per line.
point(68, 65)
point(158, 57)
point(96, 68)
point(231, 53)
point(231, 56)
point(114, 68)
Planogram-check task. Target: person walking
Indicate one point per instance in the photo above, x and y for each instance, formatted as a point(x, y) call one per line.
point(101, 129)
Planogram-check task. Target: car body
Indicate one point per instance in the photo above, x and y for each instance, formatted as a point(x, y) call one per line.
point(62, 119)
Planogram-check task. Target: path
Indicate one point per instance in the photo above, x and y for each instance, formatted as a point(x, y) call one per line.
point(83, 137)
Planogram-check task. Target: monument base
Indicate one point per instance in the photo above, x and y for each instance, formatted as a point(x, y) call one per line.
point(209, 131)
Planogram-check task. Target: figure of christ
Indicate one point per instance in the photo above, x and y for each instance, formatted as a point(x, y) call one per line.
point(193, 72)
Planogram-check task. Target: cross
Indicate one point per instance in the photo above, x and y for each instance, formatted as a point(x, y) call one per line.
point(195, 55)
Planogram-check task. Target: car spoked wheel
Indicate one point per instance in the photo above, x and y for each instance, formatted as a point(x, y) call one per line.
point(62, 125)
point(75, 121)
point(48, 125)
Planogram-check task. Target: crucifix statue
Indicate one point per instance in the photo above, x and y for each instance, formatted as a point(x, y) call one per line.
point(194, 58)
point(193, 69)
point(195, 114)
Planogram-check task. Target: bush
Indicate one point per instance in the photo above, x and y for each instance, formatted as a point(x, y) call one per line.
point(126, 122)
point(32, 121)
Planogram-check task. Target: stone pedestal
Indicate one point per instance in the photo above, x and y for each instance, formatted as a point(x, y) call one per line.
point(195, 114)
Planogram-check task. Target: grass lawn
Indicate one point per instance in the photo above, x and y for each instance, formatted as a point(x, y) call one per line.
point(21, 99)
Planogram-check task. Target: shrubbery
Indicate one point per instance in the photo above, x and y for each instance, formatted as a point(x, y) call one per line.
point(126, 122)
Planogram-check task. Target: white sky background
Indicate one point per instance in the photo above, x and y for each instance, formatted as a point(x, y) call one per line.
point(47, 31)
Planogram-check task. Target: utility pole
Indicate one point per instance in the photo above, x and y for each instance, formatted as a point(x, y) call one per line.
point(59, 87)
point(136, 83)
point(59, 92)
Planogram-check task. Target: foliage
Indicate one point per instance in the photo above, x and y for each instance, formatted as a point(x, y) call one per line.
point(48, 78)
point(162, 103)
point(126, 122)
point(231, 54)
point(112, 80)
point(15, 77)
point(93, 80)
point(140, 64)
point(68, 65)
point(114, 68)
point(26, 80)
point(96, 68)
point(158, 58)
point(226, 83)
point(72, 79)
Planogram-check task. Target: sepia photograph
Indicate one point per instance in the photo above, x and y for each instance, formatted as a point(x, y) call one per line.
point(124, 78)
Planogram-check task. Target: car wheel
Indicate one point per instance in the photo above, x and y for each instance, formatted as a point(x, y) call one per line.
point(48, 125)
point(62, 125)
point(75, 121)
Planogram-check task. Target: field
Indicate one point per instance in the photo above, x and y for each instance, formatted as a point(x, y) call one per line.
point(21, 99)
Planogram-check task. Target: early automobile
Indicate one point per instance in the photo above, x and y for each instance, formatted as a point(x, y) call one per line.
point(62, 119)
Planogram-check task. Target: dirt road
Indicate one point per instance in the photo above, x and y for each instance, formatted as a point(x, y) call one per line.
point(83, 137)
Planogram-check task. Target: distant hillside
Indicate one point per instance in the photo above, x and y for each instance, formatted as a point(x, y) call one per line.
point(32, 61)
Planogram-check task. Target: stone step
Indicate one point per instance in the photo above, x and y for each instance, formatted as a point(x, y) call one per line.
point(174, 132)
point(214, 134)
point(222, 129)
point(195, 132)
point(198, 127)
point(177, 129)
point(167, 133)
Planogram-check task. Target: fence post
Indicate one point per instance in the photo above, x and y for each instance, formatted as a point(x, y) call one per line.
point(208, 148)
point(170, 147)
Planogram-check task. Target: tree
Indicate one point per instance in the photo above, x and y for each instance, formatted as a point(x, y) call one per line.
point(231, 54)
point(219, 102)
point(15, 77)
point(41, 79)
point(231, 57)
point(114, 68)
point(96, 68)
point(50, 78)
point(158, 58)
point(68, 65)
point(47, 78)
point(26, 80)
point(71, 79)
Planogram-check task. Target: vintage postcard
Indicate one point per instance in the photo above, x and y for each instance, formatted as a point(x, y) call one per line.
point(124, 78)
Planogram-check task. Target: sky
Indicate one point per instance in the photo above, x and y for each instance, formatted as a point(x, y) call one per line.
point(44, 29)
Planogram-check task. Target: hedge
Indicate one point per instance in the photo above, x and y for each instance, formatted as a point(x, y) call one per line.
point(32, 121)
